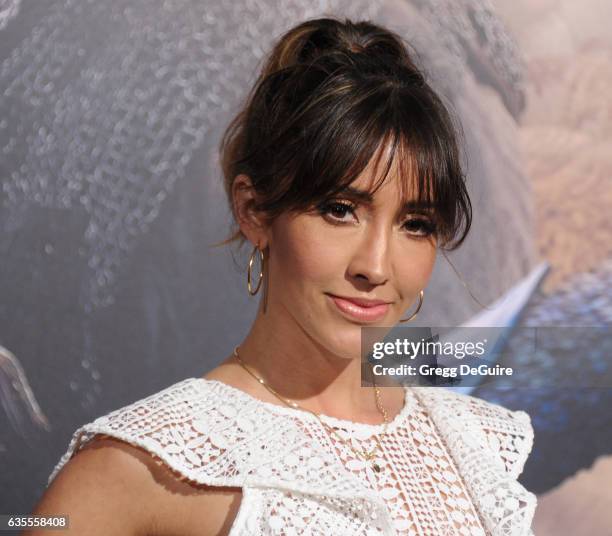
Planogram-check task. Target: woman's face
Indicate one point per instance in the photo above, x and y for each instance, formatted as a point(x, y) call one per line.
point(373, 251)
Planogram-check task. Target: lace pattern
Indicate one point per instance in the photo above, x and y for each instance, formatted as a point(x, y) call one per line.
point(449, 461)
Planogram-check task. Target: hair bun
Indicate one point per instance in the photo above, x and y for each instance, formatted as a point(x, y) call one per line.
point(331, 36)
point(321, 37)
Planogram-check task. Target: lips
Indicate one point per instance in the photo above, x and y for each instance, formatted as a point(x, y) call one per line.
point(361, 309)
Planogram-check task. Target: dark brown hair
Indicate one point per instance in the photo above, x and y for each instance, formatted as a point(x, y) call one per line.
point(329, 95)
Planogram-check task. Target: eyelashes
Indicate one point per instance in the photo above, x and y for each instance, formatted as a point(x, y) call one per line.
point(343, 207)
point(336, 210)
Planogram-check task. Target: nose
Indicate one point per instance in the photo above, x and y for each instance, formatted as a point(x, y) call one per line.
point(371, 260)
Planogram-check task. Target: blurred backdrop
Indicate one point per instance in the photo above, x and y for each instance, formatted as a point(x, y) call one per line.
point(110, 115)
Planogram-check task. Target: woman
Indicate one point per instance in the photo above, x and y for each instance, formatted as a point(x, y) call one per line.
point(343, 171)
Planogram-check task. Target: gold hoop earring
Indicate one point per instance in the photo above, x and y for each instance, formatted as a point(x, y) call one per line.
point(261, 262)
point(417, 310)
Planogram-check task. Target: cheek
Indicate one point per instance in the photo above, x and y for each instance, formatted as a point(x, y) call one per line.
point(306, 256)
point(416, 270)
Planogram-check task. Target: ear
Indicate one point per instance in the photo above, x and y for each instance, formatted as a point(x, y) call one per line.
point(251, 222)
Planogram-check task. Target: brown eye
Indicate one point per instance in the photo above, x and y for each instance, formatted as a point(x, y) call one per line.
point(420, 226)
point(337, 210)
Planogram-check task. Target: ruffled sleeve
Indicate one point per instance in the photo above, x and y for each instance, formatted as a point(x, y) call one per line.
point(180, 426)
point(509, 433)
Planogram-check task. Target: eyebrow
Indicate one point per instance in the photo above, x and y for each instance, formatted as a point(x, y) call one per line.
point(365, 197)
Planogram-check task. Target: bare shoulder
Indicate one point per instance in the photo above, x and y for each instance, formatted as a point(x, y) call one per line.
point(112, 487)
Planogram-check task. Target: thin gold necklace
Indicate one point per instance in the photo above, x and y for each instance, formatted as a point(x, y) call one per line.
point(367, 455)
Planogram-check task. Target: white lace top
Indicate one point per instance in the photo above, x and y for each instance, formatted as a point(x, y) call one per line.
point(449, 461)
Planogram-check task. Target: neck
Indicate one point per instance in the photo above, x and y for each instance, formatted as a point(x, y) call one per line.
point(300, 369)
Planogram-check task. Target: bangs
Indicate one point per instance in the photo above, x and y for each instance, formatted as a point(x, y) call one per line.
point(394, 130)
